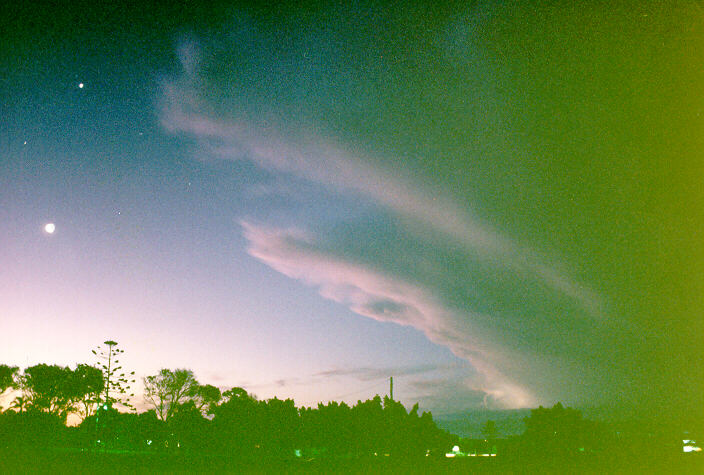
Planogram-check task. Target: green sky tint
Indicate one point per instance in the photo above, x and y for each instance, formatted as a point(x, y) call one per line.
point(571, 133)
point(500, 203)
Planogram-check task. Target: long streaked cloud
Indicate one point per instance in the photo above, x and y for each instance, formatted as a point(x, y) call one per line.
point(318, 158)
point(370, 290)
point(383, 298)
point(371, 374)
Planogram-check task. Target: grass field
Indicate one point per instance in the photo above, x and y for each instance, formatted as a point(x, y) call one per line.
point(76, 461)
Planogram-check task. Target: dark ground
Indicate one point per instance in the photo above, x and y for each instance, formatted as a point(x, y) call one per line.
point(71, 461)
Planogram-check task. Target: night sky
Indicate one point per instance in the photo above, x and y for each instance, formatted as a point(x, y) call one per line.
point(500, 206)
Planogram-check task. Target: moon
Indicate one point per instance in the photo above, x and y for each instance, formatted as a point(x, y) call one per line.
point(80, 85)
point(50, 228)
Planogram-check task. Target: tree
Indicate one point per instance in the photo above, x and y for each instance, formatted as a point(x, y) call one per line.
point(237, 393)
point(87, 384)
point(280, 424)
point(7, 378)
point(490, 433)
point(554, 430)
point(489, 430)
point(236, 424)
point(168, 389)
point(116, 382)
point(206, 398)
point(59, 390)
point(369, 419)
point(20, 403)
point(48, 388)
point(189, 430)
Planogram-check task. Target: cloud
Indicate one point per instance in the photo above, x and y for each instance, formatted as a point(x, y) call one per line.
point(430, 262)
point(310, 156)
point(453, 394)
point(452, 387)
point(383, 298)
point(370, 374)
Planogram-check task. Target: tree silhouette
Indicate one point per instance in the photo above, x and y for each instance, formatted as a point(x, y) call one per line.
point(554, 430)
point(188, 428)
point(368, 416)
point(86, 385)
point(206, 397)
point(242, 427)
point(7, 378)
point(489, 430)
point(329, 427)
point(116, 382)
point(168, 389)
point(280, 424)
point(59, 390)
point(152, 431)
point(20, 404)
point(48, 388)
point(490, 433)
point(237, 393)
point(235, 425)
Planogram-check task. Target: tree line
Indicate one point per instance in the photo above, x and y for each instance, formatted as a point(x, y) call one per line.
point(187, 416)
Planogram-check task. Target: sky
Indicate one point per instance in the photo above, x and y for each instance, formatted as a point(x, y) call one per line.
point(499, 204)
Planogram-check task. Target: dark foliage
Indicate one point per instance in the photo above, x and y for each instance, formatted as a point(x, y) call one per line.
point(207, 427)
point(33, 429)
point(7, 377)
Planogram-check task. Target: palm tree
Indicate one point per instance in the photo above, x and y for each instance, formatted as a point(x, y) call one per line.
point(20, 403)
